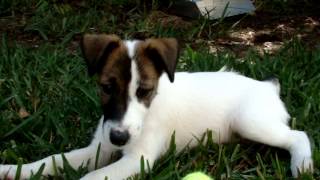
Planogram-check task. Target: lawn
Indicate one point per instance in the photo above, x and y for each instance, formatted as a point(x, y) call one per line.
point(48, 104)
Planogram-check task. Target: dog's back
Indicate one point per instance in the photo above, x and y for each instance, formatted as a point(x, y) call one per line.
point(215, 101)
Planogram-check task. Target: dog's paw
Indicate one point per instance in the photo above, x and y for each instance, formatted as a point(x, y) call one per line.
point(7, 172)
point(96, 176)
point(301, 165)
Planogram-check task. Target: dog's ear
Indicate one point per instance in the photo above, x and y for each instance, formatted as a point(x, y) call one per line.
point(96, 48)
point(164, 53)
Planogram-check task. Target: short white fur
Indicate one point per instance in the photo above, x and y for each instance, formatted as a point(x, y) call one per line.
point(224, 102)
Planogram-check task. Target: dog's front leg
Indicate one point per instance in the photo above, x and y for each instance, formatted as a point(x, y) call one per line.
point(127, 166)
point(75, 158)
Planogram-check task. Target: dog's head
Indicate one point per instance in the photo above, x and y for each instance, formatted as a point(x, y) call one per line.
point(128, 74)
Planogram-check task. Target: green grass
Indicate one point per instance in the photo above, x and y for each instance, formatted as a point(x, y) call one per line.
point(50, 82)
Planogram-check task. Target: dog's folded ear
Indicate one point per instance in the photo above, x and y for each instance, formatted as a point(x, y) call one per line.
point(164, 53)
point(96, 48)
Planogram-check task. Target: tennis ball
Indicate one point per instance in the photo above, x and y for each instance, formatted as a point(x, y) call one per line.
point(196, 176)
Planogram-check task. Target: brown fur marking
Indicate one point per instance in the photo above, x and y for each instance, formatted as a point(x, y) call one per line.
point(163, 52)
point(148, 72)
point(95, 47)
point(116, 71)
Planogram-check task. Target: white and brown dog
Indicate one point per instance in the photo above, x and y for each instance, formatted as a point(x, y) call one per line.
point(143, 107)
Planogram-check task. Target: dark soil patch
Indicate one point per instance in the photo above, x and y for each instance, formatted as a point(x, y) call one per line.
point(266, 31)
point(267, 34)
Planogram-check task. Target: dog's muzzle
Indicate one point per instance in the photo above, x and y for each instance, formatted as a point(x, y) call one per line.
point(119, 138)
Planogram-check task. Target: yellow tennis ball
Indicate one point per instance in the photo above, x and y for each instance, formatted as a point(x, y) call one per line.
point(196, 176)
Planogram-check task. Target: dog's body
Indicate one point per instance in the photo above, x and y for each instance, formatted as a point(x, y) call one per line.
point(155, 108)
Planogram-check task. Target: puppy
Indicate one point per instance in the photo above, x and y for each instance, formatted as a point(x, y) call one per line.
point(144, 102)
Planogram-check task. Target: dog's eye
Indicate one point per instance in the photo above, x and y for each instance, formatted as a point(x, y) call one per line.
point(143, 92)
point(107, 88)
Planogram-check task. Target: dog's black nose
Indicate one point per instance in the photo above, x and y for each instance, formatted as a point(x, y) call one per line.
point(119, 138)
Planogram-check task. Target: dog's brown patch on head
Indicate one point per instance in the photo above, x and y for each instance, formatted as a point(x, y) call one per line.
point(96, 48)
point(163, 52)
point(107, 56)
point(149, 76)
point(153, 57)
point(116, 74)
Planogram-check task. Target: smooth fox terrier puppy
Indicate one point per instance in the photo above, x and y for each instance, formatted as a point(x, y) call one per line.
point(144, 102)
